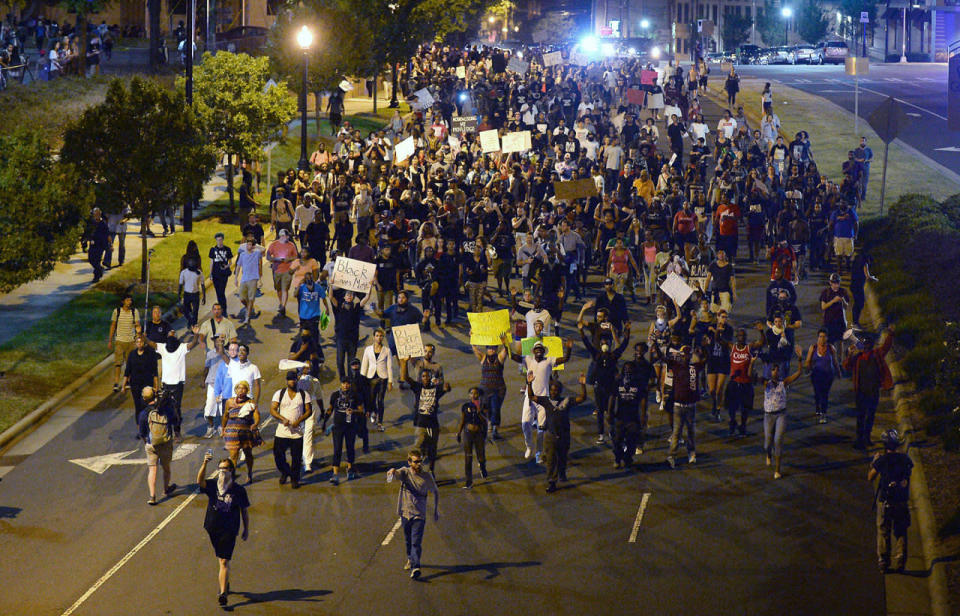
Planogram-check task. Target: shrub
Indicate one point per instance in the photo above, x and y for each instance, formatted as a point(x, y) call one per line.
point(922, 361)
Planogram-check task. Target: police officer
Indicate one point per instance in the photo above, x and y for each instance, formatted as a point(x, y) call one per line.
point(892, 501)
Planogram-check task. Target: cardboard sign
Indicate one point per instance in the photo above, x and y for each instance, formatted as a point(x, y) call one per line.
point(518, 66)
point(346, 86)
point(575, 189)
point(353, 275)
point(553, 58)
point(404, 150)
point(678, 290)
point(460, 125)
point(486, 328)
point(489, 141)
point(408, 340)
point(516, 142)
point(554, 347)
point(635, 97)
point(424, 99)
point(648, 78)
point(454, 142)
point(461, 72)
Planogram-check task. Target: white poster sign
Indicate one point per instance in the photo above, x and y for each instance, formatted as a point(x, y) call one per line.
point(552, 58)
point(353, 275)
point(461, 72)
point(424, 99)
point(408, 340)
point(489, 141)
point(404, 150)
point(516, 142)
point(346, 86)
point(676, 288)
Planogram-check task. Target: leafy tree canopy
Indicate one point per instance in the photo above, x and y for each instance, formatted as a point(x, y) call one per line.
point(735, 31)
point(812, 22)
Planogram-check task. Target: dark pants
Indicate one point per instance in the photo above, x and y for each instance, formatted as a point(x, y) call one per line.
point(474, 441)
point(177, 399)
point(220, 286)
point(346, 350)
point(858, 301)
point(602, 396)
point(121, 249)
point(378, 389)
point(822, 381)
point(866, 411)
point(448, 291)
point(95, 258)
point(555, 450)
point(344, 433)
point(413, 534)
point(739, 397)
point(495, 403)
point(892, 518)
point(431, 303)
point(191, 308)
point(136, 392)
point(280, 447)
point(626, 435)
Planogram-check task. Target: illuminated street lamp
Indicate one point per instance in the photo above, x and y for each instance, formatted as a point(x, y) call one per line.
point(645, 24)
point(305, 40)
point(787, 13)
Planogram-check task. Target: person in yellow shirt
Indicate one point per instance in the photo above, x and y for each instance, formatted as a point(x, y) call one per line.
point(644, 187)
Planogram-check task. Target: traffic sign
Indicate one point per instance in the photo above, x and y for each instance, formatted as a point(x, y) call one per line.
point(888, 120)
point(864, 17)
point(953, 89)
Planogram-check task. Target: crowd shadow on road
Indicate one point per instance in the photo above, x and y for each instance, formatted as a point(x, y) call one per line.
point(492, 569)
point(286, 594)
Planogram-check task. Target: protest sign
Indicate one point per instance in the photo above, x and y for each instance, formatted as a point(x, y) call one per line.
point(454, 142)
point(461, 125)
point(489, 141)
point(634, 96)
point(346, 86)
point(353, 275)
point(516, 142)
point(404, 150)
point(552, 58)
point(424, 99)
point(678, 290)
point(553, 343)
point(518, 66)
point(648, 78)
point(670, 110)
point(486, 328)
point(408, 340)
point(575, 189)
point(461, 72)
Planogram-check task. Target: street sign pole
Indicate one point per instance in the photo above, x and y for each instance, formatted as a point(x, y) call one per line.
point(856, 105)
point(888, 120)
point(883, 180)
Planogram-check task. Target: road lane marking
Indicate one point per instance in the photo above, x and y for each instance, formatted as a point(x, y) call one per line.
point(393, 531)
point(99, 464)
point(636, 523)
point(908, 104)
point(153, 533)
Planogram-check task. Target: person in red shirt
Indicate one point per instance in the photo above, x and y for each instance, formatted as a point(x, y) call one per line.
point(726, 220)
point(685, 229)
point(686, 368)
point(783, 257)
point(739, 395)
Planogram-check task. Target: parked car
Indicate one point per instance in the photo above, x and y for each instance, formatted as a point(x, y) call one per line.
point(805, 54)
point(242, 39)
point(721, 56)
point(748, 54)
point(831, 51)
point(778, 55)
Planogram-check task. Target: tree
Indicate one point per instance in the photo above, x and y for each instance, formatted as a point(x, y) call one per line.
point(554, 26)
point(83, 8)
point(851, 10)
point(770, 25)
point(142, 147)
point(44, 207)
point(239, 111)
point(735, 30)
point(811, 22)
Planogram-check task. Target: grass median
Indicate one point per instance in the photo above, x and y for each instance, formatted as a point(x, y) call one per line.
point(832, 136)
point(44, 358)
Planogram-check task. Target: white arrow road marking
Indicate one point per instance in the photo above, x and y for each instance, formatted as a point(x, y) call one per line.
point(950, 149)
point(393, 531)
point(636, 523)
point(99, 464)
point(914, 115)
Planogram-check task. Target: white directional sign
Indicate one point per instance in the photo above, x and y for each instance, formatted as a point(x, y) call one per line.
point(99, 464)
point(950, 149)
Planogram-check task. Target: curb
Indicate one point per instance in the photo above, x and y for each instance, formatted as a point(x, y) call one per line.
point(919, 493)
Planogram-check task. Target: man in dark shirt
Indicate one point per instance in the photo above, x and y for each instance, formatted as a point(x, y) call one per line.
point(347, 311)
point(448, 277)
point(140, 372)
point(220, 259)
point(553, 284)
point(614, 303)
point(686, 368)
point(556, 437)
point(428, 388)
point(347, 409)
point(157, 329)
point(99, 237)
point(253, 229)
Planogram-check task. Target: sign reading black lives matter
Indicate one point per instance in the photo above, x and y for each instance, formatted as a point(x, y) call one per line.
point(463, 124)
point(353, 275)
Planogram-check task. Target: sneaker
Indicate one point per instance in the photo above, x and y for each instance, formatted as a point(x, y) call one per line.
point(169, 489)
point(733, 430)
point(210, 432)
point(496, 435)
point(379, 427)
point(152, 501)
point(373, 419)
point(692, 459)
point(527, 454)
point(351, 475)
point(672, 461)
point(415, 574)
point(406, 565)
point(777, 475)
point(539, 457)
point(822, 419)
point(551, 487)
point(659, 400)
point(116, 388)
point(283, 479)
point(600, 440)
point(222, 598)
point(716, 416)
point(466, 486)
point(294, 484)
point(335, 480)
point(483, 472)
point(618, 464)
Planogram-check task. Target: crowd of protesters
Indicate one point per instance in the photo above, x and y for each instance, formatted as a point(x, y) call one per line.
point(56, 48)
point(671, 197)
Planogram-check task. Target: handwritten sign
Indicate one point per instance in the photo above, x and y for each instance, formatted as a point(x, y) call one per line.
point(353, 275)
point(518, 66)
point(516, 142)
point(404, 150)
point(408, 340)
point(461, 125)
point(424, 99)
point(454, 142)
point(634, 96)
point(486, 328)
point(648, 78)
point(489, 141)
point(575, 189)
point(552, 58)
point(346, 86)
point(461, 72)
point(678, 290)
point(553, 343)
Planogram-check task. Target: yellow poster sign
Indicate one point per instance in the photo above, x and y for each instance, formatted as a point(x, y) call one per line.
point(486, 328)
point(553, 343)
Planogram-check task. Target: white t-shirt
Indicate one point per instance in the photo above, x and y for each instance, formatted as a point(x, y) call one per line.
point(291, 409)
point(247, 371)
point(190, 281)
point(726, 127)
point(173, 365)
point(533, 316)
point(541, 373)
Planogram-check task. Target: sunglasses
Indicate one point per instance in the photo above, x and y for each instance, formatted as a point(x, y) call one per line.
point(417, 461)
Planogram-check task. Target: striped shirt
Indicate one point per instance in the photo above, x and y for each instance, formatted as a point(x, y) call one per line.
point(126, 321)
point(491, 375)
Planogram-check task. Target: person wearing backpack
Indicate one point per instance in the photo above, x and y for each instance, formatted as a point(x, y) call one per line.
point(892, 501)
point(290, 407)
point(158, 421)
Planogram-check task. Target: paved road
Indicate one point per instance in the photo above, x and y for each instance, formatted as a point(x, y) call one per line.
point(720, 537)
point(921, 88)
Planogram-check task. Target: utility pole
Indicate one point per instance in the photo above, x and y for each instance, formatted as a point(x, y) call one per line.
point(189, 44)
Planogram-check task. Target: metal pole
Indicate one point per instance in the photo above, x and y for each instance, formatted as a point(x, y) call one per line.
point(146, 300)
point(863, 37)
point(903, 42)
point(883, 180)
point(856, 104)
point(304, 164)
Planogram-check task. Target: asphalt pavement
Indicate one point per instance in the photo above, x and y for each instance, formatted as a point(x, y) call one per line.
point(921, 88)
point(717, 537)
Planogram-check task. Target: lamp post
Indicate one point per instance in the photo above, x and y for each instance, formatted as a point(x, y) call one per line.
point(304, 39)
point(787, 13)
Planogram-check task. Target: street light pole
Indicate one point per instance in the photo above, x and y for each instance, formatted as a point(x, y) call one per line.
point(189, 43)
point(786, 12)
point(304, 38)
point(903, 42)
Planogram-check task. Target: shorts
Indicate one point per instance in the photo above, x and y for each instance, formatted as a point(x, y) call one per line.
point(725, 302)
point(843, 246)
point(718, 366)
point(248, 290)
point(282, 280)
point(223, 543)
point(162, 453)
point(120, 351)
point(835, 331)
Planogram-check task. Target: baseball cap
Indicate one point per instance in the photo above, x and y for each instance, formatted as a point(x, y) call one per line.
point(540, 344)
point(608, 281)
point(834, 277)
